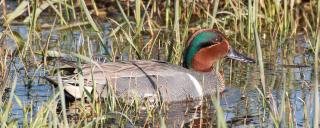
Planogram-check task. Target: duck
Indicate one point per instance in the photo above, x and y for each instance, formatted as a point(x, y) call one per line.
point(155, 80)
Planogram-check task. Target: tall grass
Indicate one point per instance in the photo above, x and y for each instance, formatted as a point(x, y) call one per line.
point(176, 29)
point(4, 8)
point(316, 72)
point(159, 29)
point(258, 46)
point(7, 108)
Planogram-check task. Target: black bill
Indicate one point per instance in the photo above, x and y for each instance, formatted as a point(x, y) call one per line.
point(233, 54)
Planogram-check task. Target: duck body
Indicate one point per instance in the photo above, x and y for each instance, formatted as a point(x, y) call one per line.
point(155, 80)
point(148, 80)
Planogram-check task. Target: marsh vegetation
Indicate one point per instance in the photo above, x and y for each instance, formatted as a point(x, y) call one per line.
point(281, 90)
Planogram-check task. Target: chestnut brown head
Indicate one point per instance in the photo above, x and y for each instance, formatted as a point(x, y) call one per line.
point(208, 46)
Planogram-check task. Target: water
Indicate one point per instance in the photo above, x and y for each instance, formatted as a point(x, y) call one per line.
point(32, 97)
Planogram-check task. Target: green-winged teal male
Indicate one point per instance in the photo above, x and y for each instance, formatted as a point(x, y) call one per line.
point(154, 79)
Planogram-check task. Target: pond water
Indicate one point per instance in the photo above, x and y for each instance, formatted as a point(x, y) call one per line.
point(241, 101)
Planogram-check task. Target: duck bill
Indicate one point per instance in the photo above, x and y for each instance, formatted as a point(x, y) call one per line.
point(233, 54)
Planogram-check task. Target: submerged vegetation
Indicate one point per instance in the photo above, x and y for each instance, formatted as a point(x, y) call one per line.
point(274, 32)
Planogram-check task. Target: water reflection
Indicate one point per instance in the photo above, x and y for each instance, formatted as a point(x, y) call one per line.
point(303, 72)
point(32, 98)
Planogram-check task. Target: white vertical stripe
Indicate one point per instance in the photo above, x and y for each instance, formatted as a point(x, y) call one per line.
point(196, 85)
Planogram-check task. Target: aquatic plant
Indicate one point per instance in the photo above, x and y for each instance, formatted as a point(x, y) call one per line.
point(142, 29)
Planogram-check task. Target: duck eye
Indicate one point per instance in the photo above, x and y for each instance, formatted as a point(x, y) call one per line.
point(218, 39)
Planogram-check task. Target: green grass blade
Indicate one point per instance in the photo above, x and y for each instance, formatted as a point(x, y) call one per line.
point(17, 12)
point(63, 101)
point(86, 11)
point(8, 106)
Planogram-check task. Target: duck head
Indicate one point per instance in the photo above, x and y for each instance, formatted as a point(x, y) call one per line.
point(208, 46)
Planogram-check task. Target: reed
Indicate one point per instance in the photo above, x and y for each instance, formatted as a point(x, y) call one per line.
point(258, 46)
point(176, 29)
point(63, 104)
point(7, 108)
point(158, 30)
point(167, 13)
point(138, 12)
point(316, 72)
point(316, 80)
point(221, 123)
point(4, 8)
